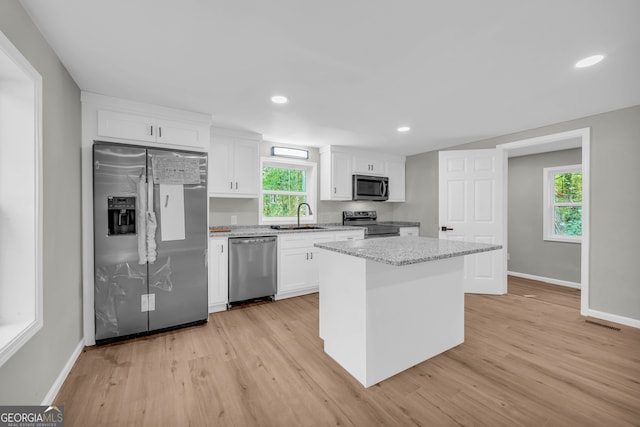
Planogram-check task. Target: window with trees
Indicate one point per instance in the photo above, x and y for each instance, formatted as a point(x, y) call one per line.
point(285, 184)
point(562, 218)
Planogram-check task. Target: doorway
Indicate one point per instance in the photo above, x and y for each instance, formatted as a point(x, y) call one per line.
point(579, 138)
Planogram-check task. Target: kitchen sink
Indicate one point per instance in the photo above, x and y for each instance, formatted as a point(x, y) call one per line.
point(295, 227)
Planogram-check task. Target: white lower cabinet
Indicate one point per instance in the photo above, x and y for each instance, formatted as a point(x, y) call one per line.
point(218, 274)
point(409, 231)
point(298, 272)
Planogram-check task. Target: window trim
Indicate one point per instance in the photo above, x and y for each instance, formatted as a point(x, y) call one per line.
point(548, 204)
point(312, 185)
point(15, 333)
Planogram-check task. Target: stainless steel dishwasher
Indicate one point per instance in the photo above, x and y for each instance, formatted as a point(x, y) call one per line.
point(252, 268)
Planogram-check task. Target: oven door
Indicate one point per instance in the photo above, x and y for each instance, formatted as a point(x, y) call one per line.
point(375, 188)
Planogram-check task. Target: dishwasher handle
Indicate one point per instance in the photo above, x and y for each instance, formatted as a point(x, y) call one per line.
point(246, 241)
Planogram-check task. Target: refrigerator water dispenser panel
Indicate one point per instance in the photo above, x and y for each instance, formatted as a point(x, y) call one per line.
point(122, 215)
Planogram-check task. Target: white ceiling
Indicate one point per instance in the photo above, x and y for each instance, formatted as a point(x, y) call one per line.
point(354, 70)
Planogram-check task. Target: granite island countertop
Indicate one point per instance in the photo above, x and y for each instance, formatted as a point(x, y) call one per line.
point(407, 250)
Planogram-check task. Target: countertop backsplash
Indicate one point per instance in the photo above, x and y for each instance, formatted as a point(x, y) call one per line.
point(246, 211)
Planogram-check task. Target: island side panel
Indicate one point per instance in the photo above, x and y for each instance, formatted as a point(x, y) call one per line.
point(342, 310)
point(413, 313)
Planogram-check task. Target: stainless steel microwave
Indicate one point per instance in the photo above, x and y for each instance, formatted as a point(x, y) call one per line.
point(367, 187)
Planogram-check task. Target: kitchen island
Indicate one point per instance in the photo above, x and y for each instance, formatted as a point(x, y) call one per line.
point(388, 304)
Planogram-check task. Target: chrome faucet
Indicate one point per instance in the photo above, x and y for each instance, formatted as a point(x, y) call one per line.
point(309, 209)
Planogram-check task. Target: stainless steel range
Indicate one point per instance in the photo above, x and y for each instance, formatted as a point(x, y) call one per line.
point(369, 219)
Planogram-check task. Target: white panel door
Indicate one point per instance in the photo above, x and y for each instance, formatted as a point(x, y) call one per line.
point(471, 208)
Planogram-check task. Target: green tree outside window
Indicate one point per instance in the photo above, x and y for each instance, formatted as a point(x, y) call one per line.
point(283, 190)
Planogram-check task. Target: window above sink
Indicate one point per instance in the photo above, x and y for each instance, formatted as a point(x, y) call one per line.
point(285, 183)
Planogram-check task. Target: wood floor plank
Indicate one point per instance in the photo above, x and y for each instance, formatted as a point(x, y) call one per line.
point(529, 359)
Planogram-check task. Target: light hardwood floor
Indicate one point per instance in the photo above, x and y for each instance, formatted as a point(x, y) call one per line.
point(528, 359)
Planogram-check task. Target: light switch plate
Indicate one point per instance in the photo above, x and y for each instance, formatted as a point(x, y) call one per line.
point(144, 303)
point(234, 219)
point(152, 302)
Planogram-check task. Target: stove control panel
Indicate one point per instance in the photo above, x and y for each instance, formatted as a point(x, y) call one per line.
point(355, 215)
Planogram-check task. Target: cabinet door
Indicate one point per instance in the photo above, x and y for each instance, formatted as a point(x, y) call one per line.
point(296, 269)
point(341, 176)
point(314, 269)
point(218, 274)
point(220, 168)
point(186, 134)
point(126, 126)
point(368, 166)
point(396, 174)
point(246, 166)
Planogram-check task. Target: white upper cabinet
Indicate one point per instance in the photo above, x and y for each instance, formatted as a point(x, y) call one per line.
point(234, 165)
point(368, 165)
point(146, 128)
point(395, 170)
point(335, 175)
point(339, 164)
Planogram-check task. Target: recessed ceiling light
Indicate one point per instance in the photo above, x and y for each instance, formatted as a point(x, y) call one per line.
point(404, 129)
point(279, 99)
point(589, 61)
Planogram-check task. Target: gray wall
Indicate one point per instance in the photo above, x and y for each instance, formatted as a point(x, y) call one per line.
point(29, 374)
point(529, 253)
point(615, 175)
point(221, 209)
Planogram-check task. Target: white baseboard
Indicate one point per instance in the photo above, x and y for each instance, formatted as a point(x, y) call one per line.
point(283, 295)
point(635, 323)
point(545, 279)
point(55, 388)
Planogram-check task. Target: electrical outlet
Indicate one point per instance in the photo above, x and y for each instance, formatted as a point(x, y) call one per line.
point(144, 303)
point(234, 219)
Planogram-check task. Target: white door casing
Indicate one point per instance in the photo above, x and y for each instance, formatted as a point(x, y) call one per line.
point(472, 208)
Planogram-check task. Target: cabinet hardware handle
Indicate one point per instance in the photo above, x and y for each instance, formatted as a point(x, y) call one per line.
point(307, 255)
point(334, 190)
point(159, 132)
point(221, 249)
point(445, 228)
point(231, 185)
point(311, 255)
point(236, 185)
point(151, 130)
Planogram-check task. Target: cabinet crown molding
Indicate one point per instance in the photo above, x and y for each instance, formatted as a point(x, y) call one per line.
point(362, 152)
point(135, 107)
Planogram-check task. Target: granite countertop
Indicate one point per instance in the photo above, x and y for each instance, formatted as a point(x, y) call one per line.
point(265, 230)
point(408, 250)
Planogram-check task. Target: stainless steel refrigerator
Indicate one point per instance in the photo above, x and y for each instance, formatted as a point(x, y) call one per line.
point(150, 240)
